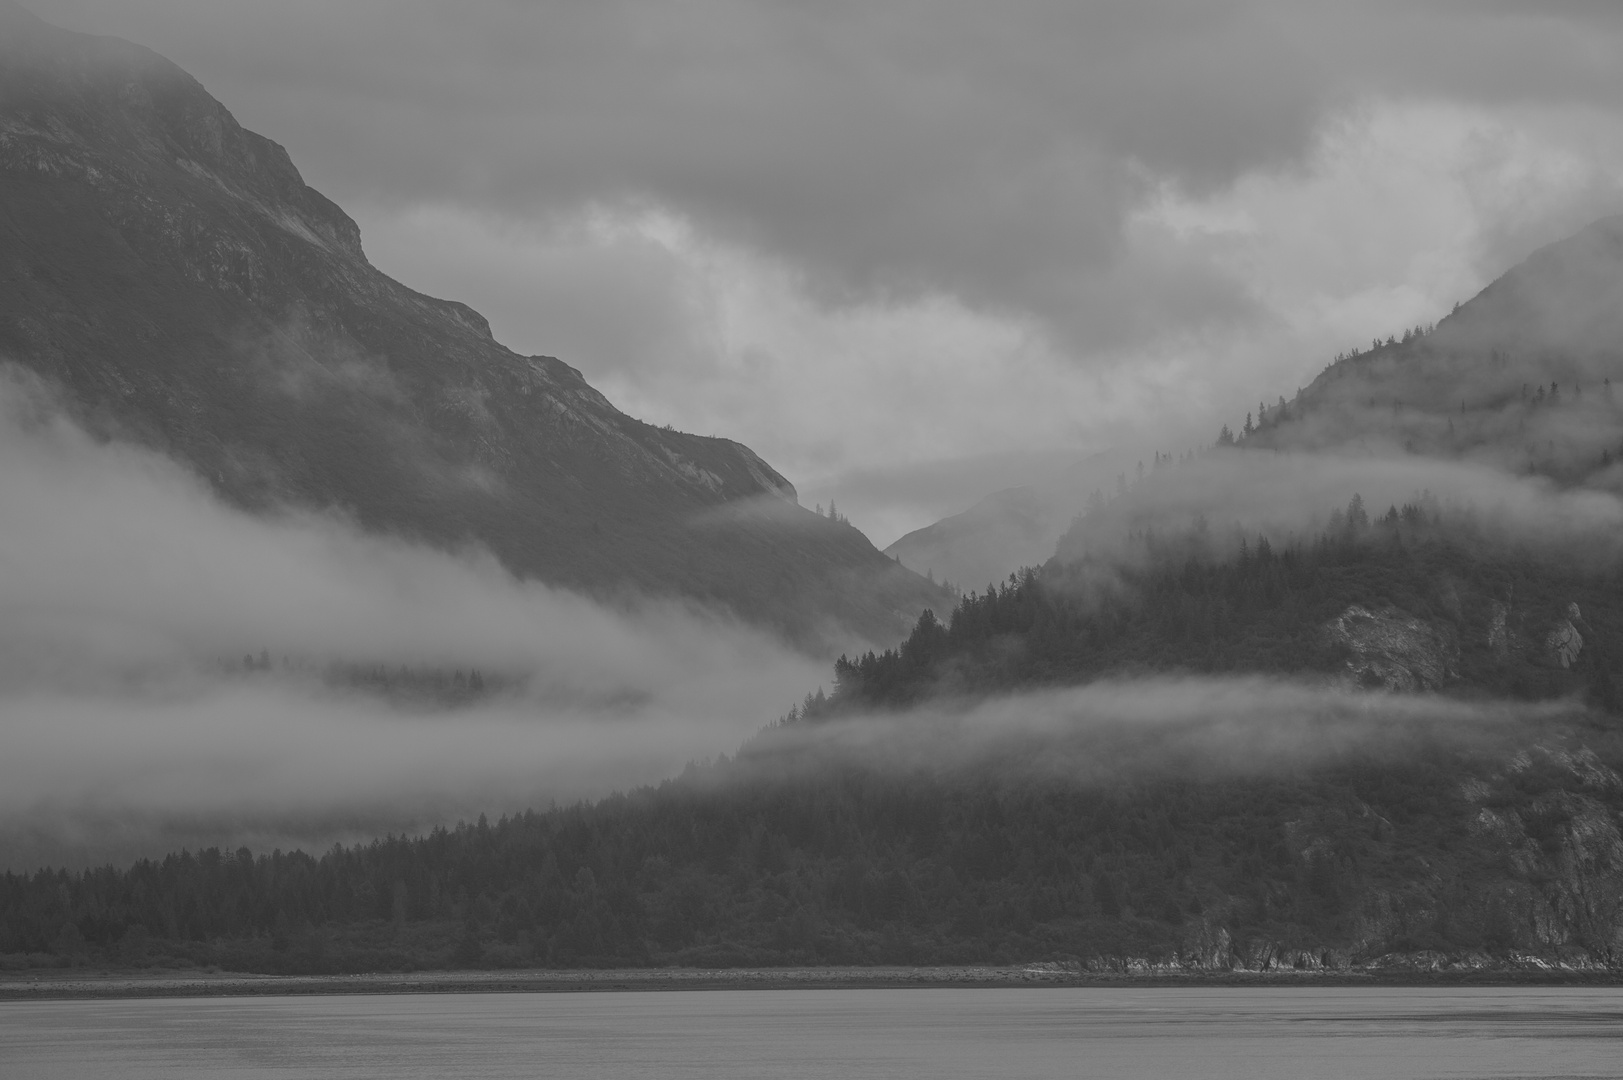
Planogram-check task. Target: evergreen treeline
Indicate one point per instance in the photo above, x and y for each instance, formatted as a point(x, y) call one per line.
point(1419, 844)
point(1170, 604)
point(1370, 853)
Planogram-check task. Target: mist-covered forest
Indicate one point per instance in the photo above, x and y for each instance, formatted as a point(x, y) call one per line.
point(1436, 849)
point(1474, 837)
point(1477, 611)
point(294, 554)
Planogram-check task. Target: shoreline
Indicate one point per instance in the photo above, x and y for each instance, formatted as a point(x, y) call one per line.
point(61, 985)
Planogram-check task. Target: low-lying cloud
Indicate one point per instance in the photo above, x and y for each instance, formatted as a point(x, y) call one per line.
point(1121, 731)
point(129, 597)
point(1286, 495)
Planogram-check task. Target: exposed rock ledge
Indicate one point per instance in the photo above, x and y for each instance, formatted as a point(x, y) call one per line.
point(1391, 649)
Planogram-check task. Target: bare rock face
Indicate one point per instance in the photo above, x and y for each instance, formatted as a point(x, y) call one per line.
point(1391, 650)
point(1563, 643)
point(1499, 638)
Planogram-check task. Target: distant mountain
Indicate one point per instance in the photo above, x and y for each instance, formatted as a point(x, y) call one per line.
point(1006, 530)
point(1011, 528)
point(172, 273)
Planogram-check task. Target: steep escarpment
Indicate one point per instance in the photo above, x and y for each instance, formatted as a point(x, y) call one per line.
point(172, 274)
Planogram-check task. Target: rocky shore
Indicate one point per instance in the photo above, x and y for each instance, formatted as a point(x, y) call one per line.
point(1407, 970)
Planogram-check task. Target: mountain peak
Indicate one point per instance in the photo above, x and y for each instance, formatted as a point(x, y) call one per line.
point(81, 101)
point(13, 14)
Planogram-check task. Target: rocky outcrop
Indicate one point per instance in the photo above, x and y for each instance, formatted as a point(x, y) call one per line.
point(1391, 650)
point(1563, 643)
point(1499, 637)
point(1542, 884)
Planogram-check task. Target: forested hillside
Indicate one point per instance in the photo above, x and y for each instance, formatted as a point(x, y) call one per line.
point(1236, 720)
point(1520, 377)
point(1447, 845)
point(1328, 829)
point(1404, 602)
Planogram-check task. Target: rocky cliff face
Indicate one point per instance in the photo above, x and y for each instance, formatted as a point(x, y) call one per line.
point(1387, 648)
point(1531, 874)
point(1392, 650)
point(1563, 644)
point(174, 274)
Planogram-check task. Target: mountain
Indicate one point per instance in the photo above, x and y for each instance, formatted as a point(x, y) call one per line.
point(1381, 740)
point(175, 278)
point(1006, 530)
point(1518, 378)
point(1508, 585)
point(1414, 601)
point(1011, 528)
point(1158, 756)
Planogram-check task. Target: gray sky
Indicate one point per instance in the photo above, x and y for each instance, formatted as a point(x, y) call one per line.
point(911, 252)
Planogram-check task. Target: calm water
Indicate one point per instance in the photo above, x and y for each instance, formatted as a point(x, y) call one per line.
point(903, 1034)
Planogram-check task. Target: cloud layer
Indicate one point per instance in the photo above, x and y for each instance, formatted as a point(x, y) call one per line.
point(128, 597)
point(1111, 733)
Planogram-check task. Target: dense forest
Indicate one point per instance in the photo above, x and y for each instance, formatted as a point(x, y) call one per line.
point(1471, 844)
point(1434, 845)
point(1171, 603)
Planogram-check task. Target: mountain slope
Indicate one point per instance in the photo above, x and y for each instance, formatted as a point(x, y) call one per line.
point(1519, 377)
point(173, 273)
point(1500, 427)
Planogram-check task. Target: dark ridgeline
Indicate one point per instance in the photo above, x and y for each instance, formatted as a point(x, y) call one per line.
point(1433, 845)
point(174, 277)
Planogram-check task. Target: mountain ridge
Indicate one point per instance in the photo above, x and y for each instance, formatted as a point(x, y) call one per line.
point(175, 275)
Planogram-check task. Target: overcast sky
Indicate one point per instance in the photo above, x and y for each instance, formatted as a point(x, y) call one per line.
point(912, 252)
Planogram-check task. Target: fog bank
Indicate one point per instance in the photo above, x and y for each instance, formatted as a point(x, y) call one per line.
point(129, 597)
point(1122, 731)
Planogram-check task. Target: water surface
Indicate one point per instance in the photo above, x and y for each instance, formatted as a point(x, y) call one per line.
point(1161, 1033)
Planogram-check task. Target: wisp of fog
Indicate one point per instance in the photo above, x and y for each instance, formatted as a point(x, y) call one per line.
point(130, 595)
point(1288, 495)
point(1119, 731)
